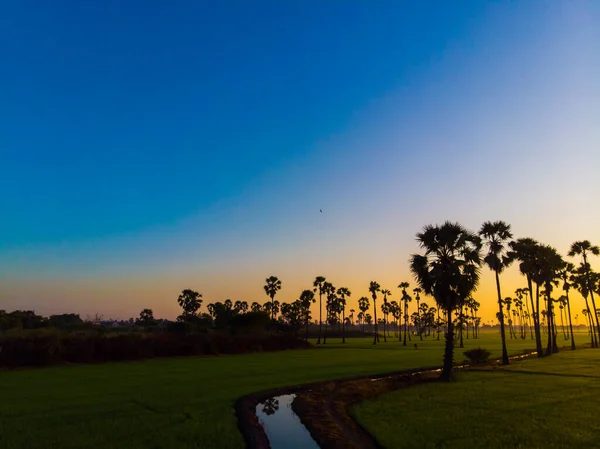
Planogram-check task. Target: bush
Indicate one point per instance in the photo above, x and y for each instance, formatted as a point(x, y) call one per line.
point(52, 347)
point(478, 356)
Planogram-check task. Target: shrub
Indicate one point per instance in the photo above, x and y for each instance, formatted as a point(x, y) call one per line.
point(478, 356)
point(51, 347)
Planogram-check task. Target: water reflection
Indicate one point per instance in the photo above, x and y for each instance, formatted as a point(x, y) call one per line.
point(282, 426)
point(270, 406)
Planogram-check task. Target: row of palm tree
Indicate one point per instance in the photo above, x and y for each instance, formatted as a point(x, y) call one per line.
point(449, 271)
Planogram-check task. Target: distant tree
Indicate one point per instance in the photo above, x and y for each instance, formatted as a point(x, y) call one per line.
point(256, 307)
point(329, 291)
point(272, 286)
point(146, 318)
point(343, 293)
point(526, 251)
point(318, 286)
point(374, 287)
point(65, 321)
point(190, 302)
point(417, 292)
point(385, 309)
point(363, 305)
point(448, 271)
point(584, 249)
point(496, 235)
point(307, 298)
point(406, 298)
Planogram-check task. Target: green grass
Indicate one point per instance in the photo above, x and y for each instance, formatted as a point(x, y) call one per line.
point(546, 403)
point(183, 402)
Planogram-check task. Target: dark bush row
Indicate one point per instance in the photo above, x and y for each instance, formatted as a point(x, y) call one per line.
point(51, 348)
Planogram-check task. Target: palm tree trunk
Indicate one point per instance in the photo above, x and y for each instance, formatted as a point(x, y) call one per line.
point(570, 322)
point(307, 313)
point(501, 317)
point(344, 325)
point(375, 336)
point(536, 318)
point(448, 350)
point(320, 315)
point(460, 322)
point(405, 321)
point(549, 319)
point(591, 324)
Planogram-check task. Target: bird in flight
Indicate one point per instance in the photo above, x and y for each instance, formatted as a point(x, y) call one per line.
point(321, 210)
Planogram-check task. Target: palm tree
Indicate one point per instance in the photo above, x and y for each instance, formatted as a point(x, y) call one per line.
point(448, 271)
point(343, 292)
point(550, 264)
point(406, 298)
point(578, 279)
point(496, 235)
point(395, 311)
point(385, 308)
point(307, 298)
point(417, 292)
point(525, 250)
point(374, 287)
point(329, 291)
point(363, 305)
point(272, 286)
point(584, 248)
point(318, 285)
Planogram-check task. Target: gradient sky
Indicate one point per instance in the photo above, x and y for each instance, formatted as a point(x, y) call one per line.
point(148, 147)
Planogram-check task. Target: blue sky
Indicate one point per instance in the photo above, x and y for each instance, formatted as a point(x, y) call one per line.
point(149, 147)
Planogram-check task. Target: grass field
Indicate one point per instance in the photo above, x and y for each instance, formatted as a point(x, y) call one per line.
point(184, 402)
point(545, 403)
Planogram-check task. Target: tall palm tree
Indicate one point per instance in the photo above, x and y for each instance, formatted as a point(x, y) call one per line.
point(525, 250)
point(584, 249)
point(406, 298)
point(343, 293)
point(395, 311)
point(318, 286)
point(550, 264)
point(448, 271)
point(579, 280)
point(363, 305)
point(307, 298)
point(272, 286)
point(374, 287)
point(329, 291)
point(417, 292)
point(385, 308)
point(496, 235)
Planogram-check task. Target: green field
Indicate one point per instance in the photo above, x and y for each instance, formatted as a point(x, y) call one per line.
point(546, 403)
point(184, 402)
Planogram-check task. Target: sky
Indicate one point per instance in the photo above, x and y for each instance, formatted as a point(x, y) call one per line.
point(148, 147)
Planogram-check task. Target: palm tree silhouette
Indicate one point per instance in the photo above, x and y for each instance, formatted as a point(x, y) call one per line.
point(525, 250)
point(307, 298)
point(496, 235)
point(374, 287)
point(363, 305)
point(448, 271)
point(584, 248)
point(406, 298)
point(565, 275)
point(318, 286)
point(343, 292)
point(329, 291)
point(385, 309)
point(272, 286)
point(579, 280)
point(417, 292)
point(550, 265)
